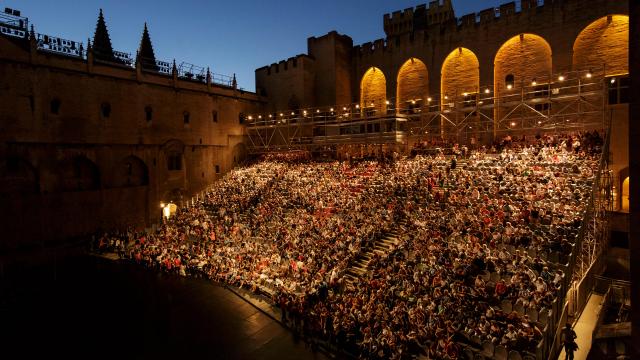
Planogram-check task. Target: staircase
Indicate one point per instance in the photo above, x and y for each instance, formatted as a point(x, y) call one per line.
point(381, 246)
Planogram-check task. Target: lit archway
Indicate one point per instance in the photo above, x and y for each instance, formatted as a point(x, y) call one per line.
point(413, 85)
point(603, 44)
point(625, 195)
point(520, 61)
point(460, 73)
point(373, 92)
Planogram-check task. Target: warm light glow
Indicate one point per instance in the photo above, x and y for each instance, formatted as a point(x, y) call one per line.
point(412, 82)
point(413, 102)
point(270, 116)
point(387, 102)
point(429, 99)
point(372, 104)
point(460, 70)
point(539, 122)
point(250, 117)
point(589, 75)
point(292, 113)
point(344, 108)
point(357, 106)
point(331, 109)
point(373, 88)
point(259, 116)
point(534, 82)
point(560, 78)
point(613, 80)
point(604, 42)
point(513, 123)
point(281, 114)
point(487, 91)
point(304, 112)
point(509, 87)
point(446, 97)
point(161, 205)
point(317, 110)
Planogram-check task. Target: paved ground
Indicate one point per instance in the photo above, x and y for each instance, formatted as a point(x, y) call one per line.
point(96, 308)
point(585, 326)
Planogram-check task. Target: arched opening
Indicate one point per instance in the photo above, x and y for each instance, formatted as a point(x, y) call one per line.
point(604, 44)
point(625, 195)
point(17, 176)
point(131, 171)
point(373, 92)
point(521, 60)
point(460, 74)
point(413, 86)
point(78, 174)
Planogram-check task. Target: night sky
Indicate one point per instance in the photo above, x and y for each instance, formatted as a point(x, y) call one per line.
point(228, 36)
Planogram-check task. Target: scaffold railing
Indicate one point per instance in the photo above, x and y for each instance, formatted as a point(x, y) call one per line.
point(571, 101)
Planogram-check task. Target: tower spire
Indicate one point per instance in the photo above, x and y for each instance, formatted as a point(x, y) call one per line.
point(102, 48)
point(145, 53)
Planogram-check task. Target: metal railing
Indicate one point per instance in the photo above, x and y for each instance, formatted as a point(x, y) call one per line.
point(569, 101)
point(16, 26)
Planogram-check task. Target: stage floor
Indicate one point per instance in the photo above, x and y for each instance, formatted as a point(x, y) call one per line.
point(96, 308)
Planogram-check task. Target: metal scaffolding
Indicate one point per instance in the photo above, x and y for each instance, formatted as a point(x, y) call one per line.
point(571, 101)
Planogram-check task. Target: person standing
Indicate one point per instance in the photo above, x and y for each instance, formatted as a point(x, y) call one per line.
point(570, 345)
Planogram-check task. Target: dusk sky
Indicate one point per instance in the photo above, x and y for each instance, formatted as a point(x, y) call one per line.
point(228, 36)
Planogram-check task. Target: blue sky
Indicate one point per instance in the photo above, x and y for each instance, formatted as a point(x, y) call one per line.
point(228, 36)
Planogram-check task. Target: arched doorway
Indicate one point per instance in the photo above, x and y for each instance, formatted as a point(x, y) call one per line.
point(78, 174)
point(625, 195)
point(17, 176)
point(413, 86)
point(373, 92)
point(130, 171)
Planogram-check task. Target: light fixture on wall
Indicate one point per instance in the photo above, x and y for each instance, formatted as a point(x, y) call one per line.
point(487, 91)
point(534, 82)
point(589, 74)
point(561, 78)
point(429, 99)
point(509, 87)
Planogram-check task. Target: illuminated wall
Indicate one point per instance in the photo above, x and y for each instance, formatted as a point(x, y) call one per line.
point(373, 90)
point(460, 73)
point(413, 83)
point(525, 57)
point(605, 41)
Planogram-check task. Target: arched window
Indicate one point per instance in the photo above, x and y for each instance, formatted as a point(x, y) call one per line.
point(509, 81)
point(186, 117)
point(241, 118)
point(214, 116)
point(105, 109)
point(55, 106)
point(148, 113)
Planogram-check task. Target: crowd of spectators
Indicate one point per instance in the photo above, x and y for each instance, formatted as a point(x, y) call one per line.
point(477, 251)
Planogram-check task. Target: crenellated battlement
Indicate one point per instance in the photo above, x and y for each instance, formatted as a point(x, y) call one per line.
point(405, 27)
point(285, 65)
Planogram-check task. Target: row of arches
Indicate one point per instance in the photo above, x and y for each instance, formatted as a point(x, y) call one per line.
point(78, 173)
point(523, 58)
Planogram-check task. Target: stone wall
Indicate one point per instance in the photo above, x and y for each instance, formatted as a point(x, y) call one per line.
point(87, 145)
